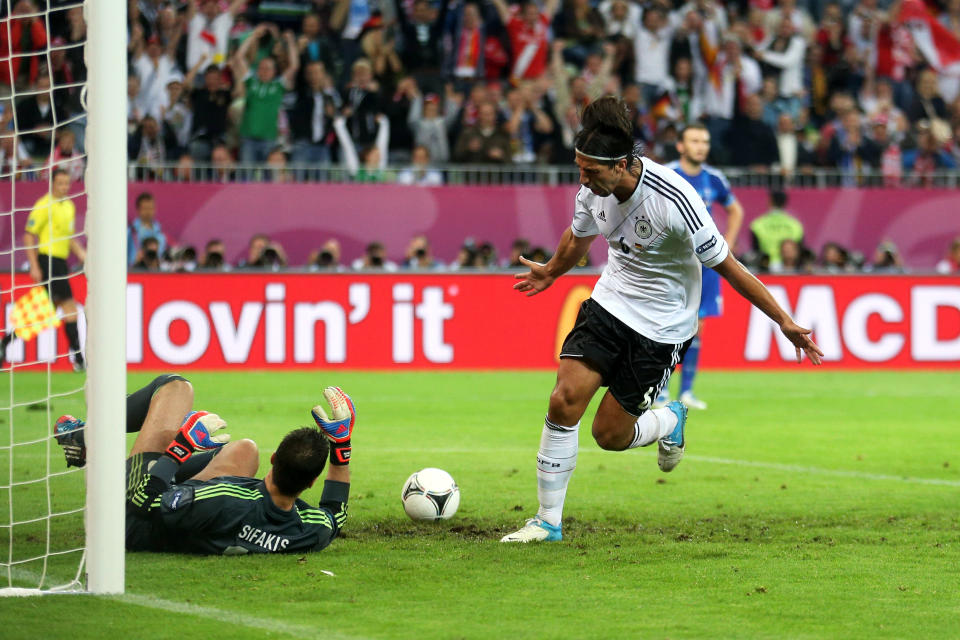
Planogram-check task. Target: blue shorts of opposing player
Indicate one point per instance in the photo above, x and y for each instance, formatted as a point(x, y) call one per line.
point(711, 306)
point(711, 301)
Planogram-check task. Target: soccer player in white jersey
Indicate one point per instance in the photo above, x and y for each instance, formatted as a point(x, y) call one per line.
point(712, 186)
point(642, 315)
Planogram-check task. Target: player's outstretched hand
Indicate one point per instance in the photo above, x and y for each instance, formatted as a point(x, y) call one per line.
point(198, 433)
point(800, 338)
point(339, 426)
point(534, 281)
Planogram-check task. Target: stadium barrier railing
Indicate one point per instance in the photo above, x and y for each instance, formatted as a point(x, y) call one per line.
point(487, 175)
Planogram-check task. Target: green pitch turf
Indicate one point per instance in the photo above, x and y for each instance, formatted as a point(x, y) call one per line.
point(814, 504)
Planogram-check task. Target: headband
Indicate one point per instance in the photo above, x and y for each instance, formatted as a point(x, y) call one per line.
point(603, 158)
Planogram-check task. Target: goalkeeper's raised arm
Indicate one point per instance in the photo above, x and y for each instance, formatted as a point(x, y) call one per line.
point(338, 429)
point(191, 489)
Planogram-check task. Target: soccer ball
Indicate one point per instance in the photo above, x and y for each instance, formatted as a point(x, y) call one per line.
point(430, 494)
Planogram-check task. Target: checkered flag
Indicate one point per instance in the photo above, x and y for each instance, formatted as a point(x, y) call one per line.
point(33, 313)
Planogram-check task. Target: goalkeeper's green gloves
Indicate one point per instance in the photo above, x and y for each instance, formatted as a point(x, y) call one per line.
point(339, 427)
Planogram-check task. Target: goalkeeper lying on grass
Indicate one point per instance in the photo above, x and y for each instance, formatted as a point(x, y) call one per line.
point(190, 490)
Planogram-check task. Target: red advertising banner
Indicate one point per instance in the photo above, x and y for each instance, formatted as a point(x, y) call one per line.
point(858, 322)
point(424, 321)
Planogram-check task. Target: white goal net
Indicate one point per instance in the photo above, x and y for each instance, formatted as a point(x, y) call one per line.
point(62, 265)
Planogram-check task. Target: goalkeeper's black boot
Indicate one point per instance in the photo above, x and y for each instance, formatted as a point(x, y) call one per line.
point(69, 434)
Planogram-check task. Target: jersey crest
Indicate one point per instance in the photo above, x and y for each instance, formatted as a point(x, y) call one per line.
point(643, 228)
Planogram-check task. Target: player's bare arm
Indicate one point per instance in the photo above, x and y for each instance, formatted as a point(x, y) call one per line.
point(239, 62)
point(569, 252)
point(550, 8)
point(338, 473)
point(503, 11)
point(290, 74)
point(747, 285)
point(30, 244)
point(734, 222)
point(78, 249)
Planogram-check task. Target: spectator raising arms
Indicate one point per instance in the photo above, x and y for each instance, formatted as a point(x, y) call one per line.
point(264, 93)
point(209, 30)
point(210, 103)
point(311, 116)
point(374, 157)
point(153, 64)
point(652, 53)
point(362, 103)
point(582, 27)
point(422, 33)
point(428, 126)
point(528, 29)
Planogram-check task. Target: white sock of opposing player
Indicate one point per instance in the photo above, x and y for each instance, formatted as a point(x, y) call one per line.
point(556, 461)
point(652, 426)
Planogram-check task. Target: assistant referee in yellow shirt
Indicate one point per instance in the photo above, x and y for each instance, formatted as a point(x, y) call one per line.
point(49, 239)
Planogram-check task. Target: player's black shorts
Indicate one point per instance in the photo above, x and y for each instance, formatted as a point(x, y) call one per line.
point(140, 535)
point(59, 287)
point(634, 367)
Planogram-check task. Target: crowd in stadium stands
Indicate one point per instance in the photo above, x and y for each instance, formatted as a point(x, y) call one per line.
point(372, 84)
point(398, 83)
point(389, 90)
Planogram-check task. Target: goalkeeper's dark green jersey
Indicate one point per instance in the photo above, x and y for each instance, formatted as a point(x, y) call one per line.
point(227, 515)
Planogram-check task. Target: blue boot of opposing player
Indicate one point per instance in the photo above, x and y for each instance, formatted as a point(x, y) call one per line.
point(68, 432)
point(670, 448)
point(536, 530)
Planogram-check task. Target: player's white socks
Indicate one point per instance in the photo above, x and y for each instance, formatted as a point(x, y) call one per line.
point(652, 426)
point(556, 461)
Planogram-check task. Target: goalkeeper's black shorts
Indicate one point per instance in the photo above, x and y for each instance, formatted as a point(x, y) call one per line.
point(141, 535)
point(139, 528)
point(634, 367)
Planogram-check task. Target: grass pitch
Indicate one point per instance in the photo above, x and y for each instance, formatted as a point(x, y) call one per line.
point(810, 505)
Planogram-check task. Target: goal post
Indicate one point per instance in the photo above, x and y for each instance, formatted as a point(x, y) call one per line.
point(106, 268)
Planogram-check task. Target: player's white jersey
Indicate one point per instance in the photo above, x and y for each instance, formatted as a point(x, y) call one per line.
point(658, 237)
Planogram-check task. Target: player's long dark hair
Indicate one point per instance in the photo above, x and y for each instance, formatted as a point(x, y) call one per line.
point(301, 457)
point(607, 131)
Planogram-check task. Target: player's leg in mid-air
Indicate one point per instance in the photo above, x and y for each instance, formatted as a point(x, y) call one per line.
point(624, 419)
point(601, 350)
point(156, 412)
